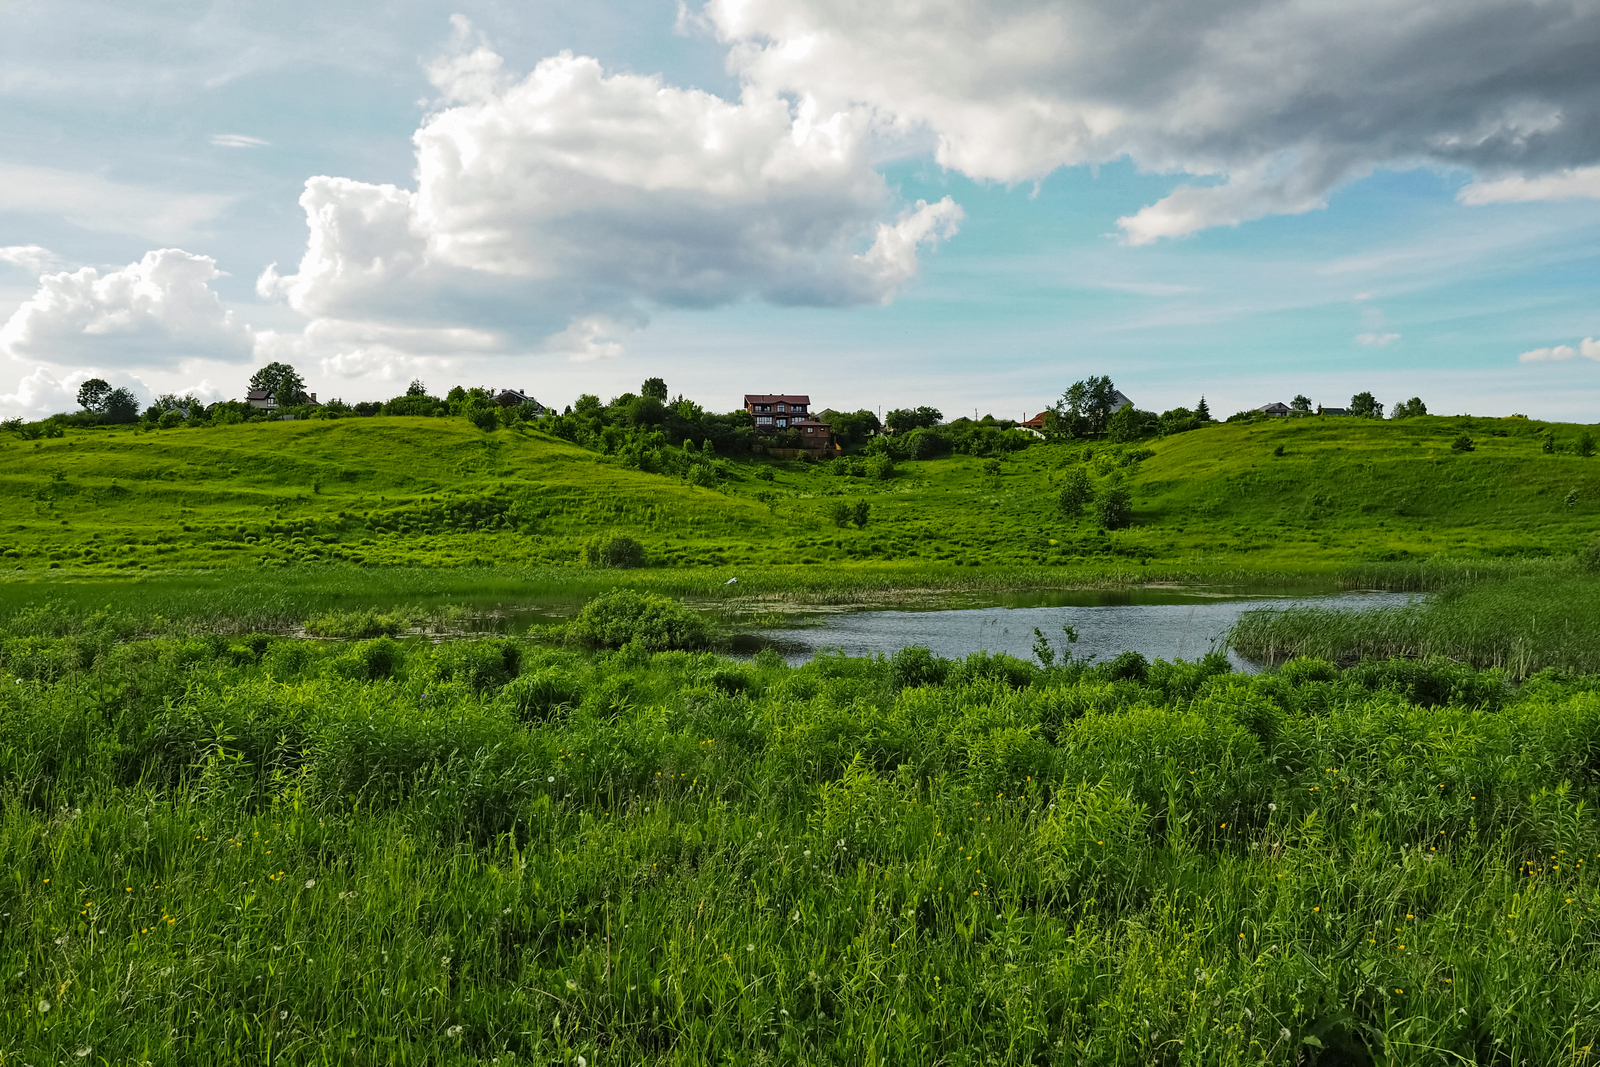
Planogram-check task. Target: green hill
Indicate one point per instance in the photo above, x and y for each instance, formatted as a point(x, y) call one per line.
point(439, 492)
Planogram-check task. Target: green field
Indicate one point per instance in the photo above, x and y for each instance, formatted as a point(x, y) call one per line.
point(437, 492)
point(230, 844)
point(264, 850)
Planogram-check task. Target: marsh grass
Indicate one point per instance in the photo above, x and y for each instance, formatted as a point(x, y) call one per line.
point(1519, 618)
point(248, 850)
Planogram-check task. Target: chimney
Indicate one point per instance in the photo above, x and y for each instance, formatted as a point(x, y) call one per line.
point(313, 397)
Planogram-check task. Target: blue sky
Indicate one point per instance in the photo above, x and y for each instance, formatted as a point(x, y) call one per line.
point(971, 207)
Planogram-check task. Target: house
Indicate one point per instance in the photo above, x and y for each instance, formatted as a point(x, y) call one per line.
point(1275, 410)
point(1332, 411)
point(777, 412)
point(815, 436)
point(1036, 423)
point(1119, 400)
point(264, 399)
point(510, 398)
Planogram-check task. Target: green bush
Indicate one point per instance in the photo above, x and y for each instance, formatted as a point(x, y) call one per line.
point(1076, 492)
point(613, 550)
point(624, 616)
point(1114, 508)
point(915, 666)
point(482, 664)
point(540, 695)
point(349, 624)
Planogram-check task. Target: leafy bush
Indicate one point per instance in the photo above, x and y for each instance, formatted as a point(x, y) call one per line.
point(1126, 667)
point(480, 665)
point(1462, 443)
point(624, 616)
point(539, 695)
point(613, 550)
point(1114, 508)
point(1076, 492)
point(915, 666)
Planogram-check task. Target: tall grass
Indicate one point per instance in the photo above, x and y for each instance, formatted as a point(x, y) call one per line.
point(225, 850)
point(1520, 619)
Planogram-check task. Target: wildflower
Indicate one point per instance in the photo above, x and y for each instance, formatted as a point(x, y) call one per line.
point(551, 778)
point(571, 984)
point(582, 1062)
point(1272, 807)
point(44, 1007)
point(311, 883)
point(282, 1015)
point(83, 1052)
point(749, 948)
point(454, 1031)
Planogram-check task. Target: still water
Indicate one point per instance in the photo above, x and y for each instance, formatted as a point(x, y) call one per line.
point(1164, 625)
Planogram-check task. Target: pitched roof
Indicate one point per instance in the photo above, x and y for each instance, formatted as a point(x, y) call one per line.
point(259, 394)
point(1276, 405)
point(776, 398)
point(809, 422)
point(1120, 400)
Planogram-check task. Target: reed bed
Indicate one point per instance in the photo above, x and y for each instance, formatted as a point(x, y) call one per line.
point(250, 850)
point(1520, 622)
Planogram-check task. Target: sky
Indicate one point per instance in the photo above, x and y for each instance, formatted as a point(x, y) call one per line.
point(963, 203)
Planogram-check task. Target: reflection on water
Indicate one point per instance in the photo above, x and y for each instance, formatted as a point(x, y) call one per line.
point(1176, 626)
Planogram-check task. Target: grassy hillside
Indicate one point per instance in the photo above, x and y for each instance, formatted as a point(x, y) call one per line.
point(438, 492)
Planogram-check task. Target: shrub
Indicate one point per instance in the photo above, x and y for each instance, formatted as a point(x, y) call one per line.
point(659, 623)
point(1586, 444)
point(1000, 667)
point(1126, 667)
point(915, 666)
point(613, 550)
point(1589, 558)
point(1462, 443)
point(1114, 509)
point(861, 513)
point(368, 660)
point(539, 695)
point(482, 664)
point(839, 511)
point(357, 624)
point(1076, 492)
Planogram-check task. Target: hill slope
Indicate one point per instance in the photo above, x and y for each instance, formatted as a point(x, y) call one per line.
point(440, 492)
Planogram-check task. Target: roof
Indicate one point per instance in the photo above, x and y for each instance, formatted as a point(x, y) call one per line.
point(1276, 405)
point(259, 394)
point(776, 398)
point(809, 422)
point(1332, 411)
point(1120, 400)
point(1037, 420)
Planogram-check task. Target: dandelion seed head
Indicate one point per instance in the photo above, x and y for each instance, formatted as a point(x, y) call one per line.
point(311, 883)
point(454, 1031)
point(44, 1007)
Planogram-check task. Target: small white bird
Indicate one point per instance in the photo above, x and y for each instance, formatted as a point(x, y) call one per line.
point(731, 581)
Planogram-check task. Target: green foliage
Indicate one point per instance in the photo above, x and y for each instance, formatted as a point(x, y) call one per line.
point(904, 420)
point(1366, 406)
point(1462, 443)
point(348, 624)
point(613, 550)
point(1585, 444)
point(1113, 507)
point(624, 617)
point(1077, 491)
point(288, 388)
point(1409, 409)
point(93, 394)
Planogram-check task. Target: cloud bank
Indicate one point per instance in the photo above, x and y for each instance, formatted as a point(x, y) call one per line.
point(1588, 348)
point(155, 312)
point(556, 209)
point(1280, 101)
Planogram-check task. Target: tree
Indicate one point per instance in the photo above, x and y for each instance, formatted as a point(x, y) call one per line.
point(1301, 403)
point(861, 513)
point(416, 388)
point(1087, 405)
point(288, 388)
point(1366, 406)
point(1409, 409)
point(655, 388)
point(93, 394)
point(121, 406)
point(1076, 492)
point(1202, 412)
point(904, 420)
point(1462, 443)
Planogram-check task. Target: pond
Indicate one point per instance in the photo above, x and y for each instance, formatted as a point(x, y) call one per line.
point(1157, 623)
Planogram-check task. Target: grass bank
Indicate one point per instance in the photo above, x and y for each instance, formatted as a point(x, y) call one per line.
point(238, 850)
point(1521, 618)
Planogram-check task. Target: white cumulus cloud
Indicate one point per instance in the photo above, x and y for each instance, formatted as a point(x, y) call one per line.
point(1565, 185)
point(1588, 348)
point(1376, 340)
point(1276, 101)
point(559, 207)
point(155, 312)
point(35, 259)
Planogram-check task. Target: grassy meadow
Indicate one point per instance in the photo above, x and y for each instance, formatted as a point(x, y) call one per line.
point(228, 842)
point(440, 493)
point(265, 850)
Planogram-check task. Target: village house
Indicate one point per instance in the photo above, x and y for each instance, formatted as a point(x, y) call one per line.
point(263, 399)
point(778, 412)
point(1332, 411)
point(510, 398)
point(1275, 410)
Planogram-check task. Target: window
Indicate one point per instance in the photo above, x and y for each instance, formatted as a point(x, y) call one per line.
point(811, 429)
point(782, 408)
point(763, 420)
point(783, 422)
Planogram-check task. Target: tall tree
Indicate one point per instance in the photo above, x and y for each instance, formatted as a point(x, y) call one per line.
point(416, 388)
point(1301, 403)
point(1366, 406)
point(1087, 404)
point(288, 388)
point(655, 388)
point(121, 406)
point(92, 395)
point(1202, 412)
